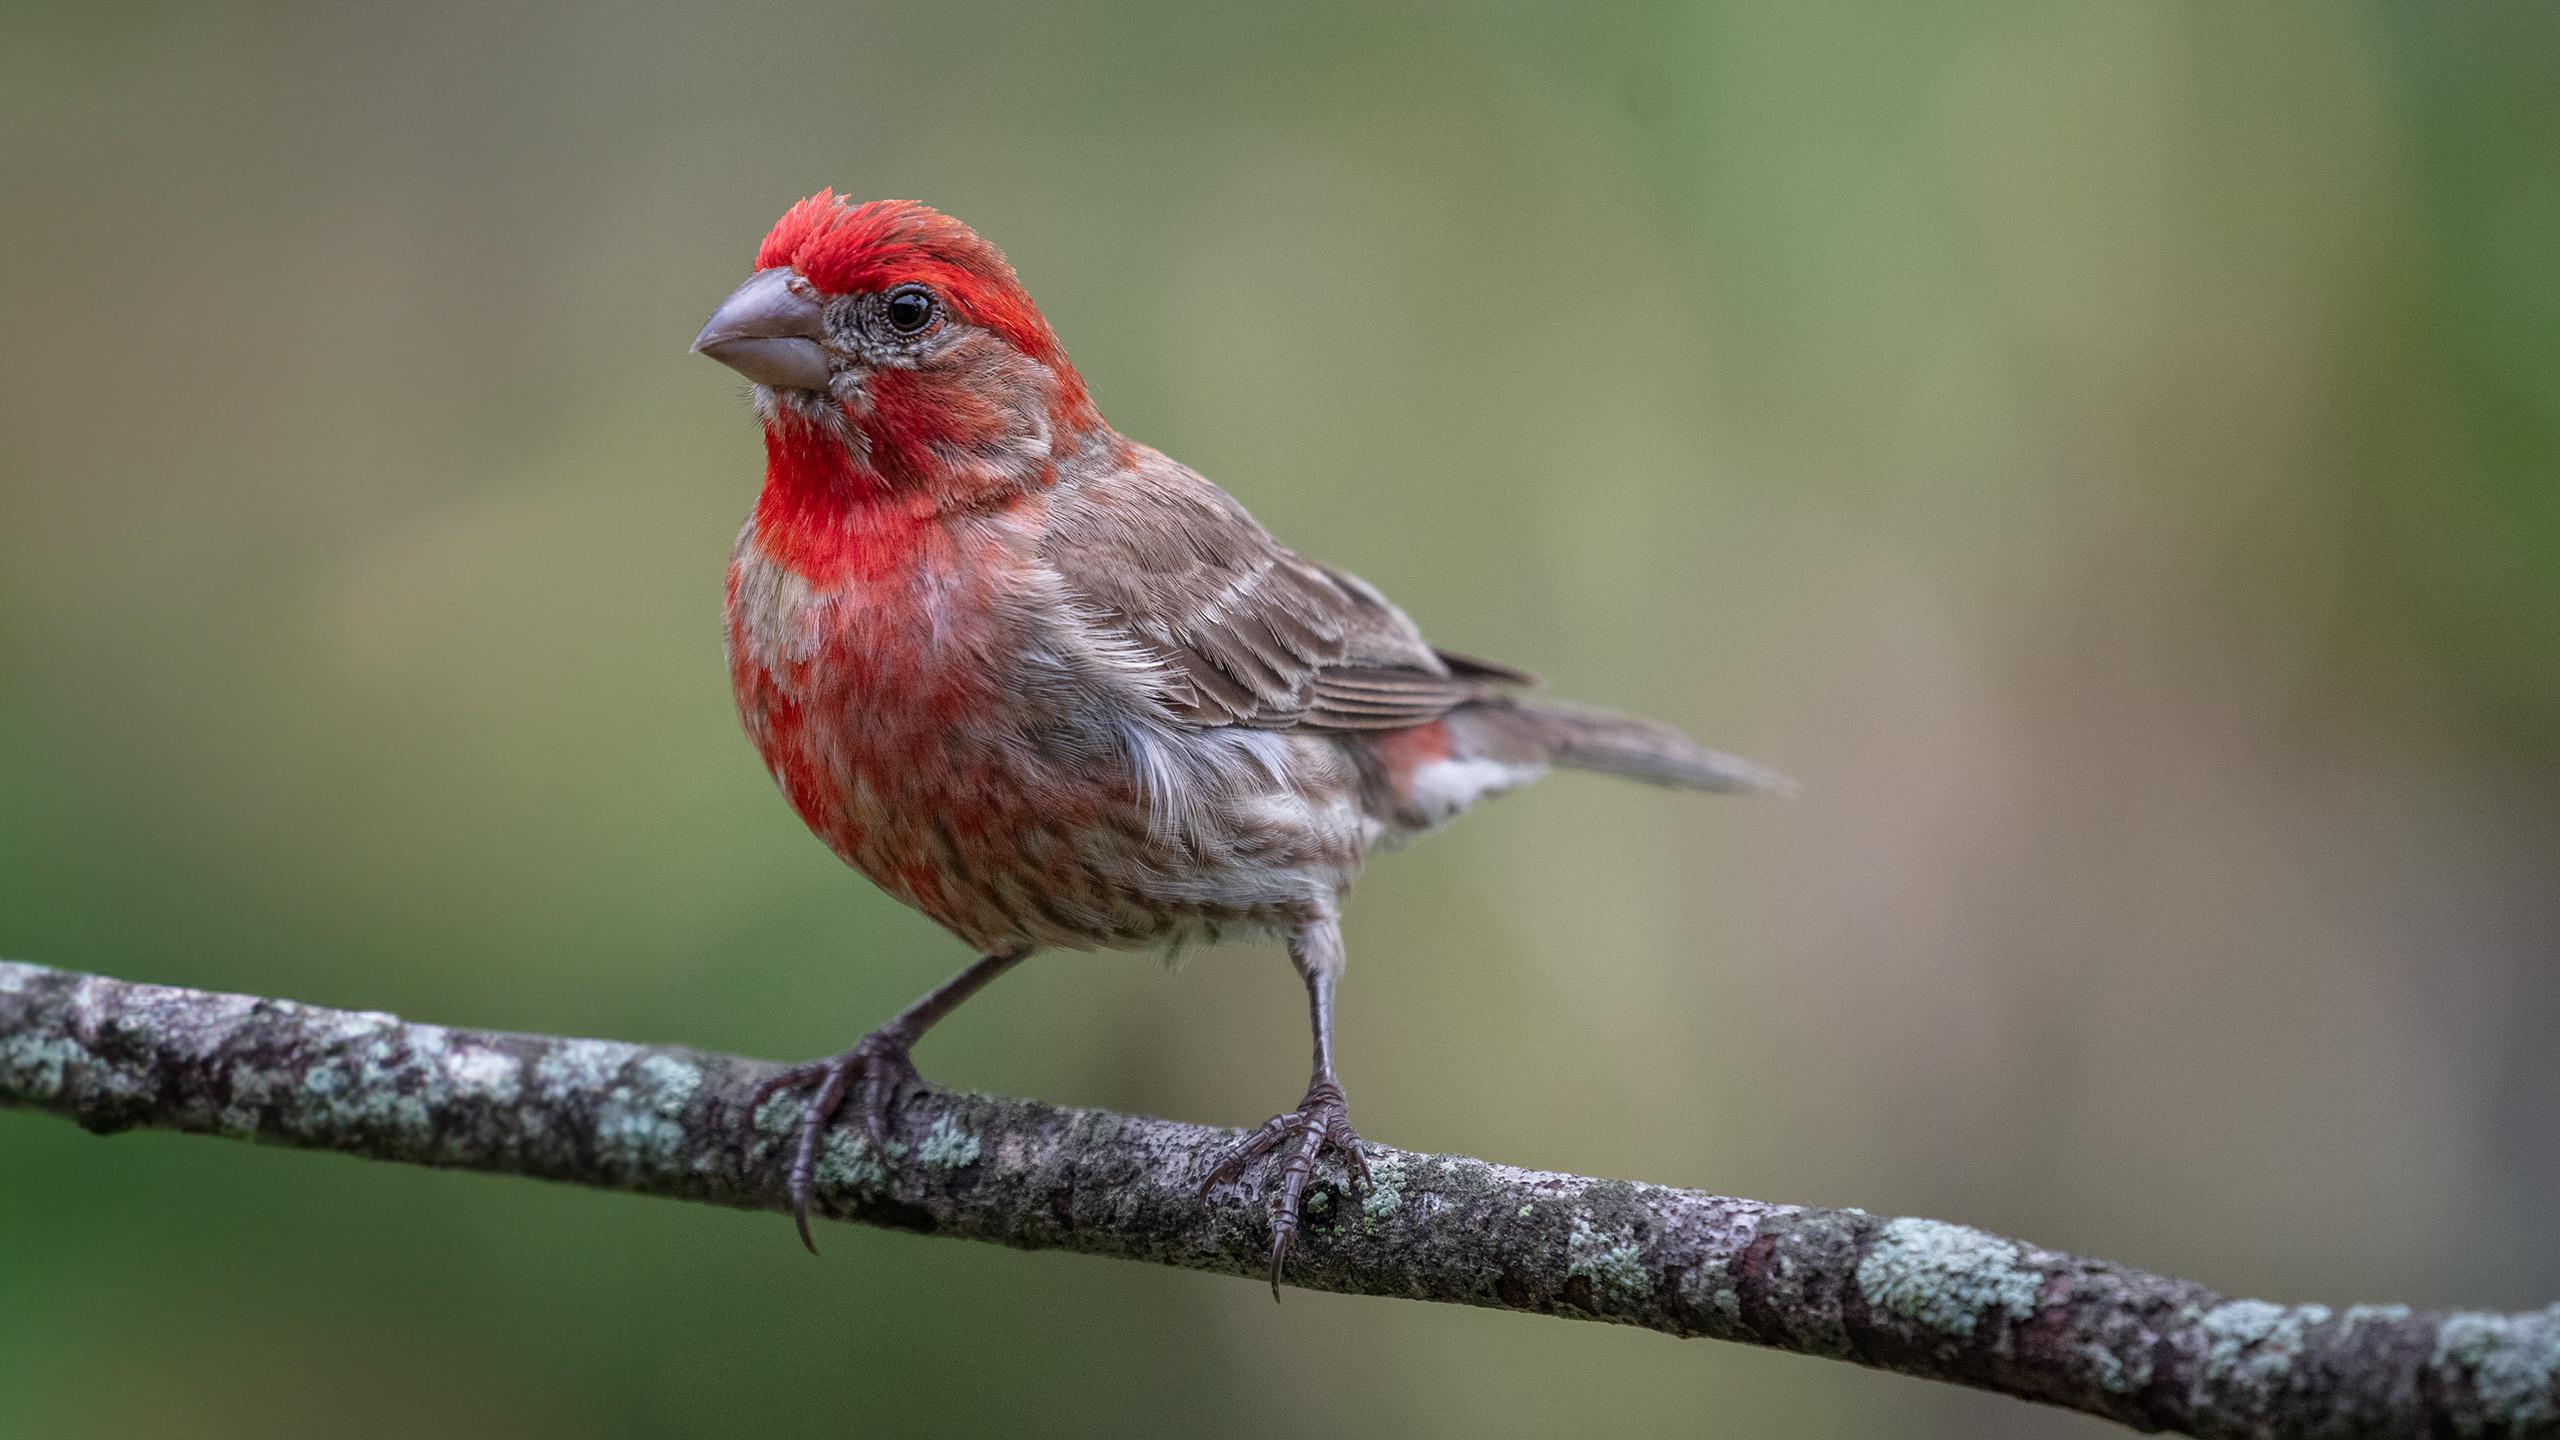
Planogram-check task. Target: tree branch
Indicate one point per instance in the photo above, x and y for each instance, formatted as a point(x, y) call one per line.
point(1917, 1296)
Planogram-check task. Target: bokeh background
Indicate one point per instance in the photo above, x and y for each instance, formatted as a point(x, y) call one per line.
point(2106, 452)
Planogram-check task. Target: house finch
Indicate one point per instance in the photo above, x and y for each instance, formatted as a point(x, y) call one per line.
point(1056, 690)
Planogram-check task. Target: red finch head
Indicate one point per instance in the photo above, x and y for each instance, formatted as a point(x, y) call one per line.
point(896, 357)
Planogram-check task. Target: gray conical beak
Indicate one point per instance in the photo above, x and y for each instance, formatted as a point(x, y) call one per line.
point(768, 332)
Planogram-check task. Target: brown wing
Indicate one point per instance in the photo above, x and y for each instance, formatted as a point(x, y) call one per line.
point(1249, 632)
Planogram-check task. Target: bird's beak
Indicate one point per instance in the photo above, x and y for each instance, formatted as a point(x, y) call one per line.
point(769, 333)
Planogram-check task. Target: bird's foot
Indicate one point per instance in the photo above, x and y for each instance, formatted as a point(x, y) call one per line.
point(1321, 1122)
point(873, 1074)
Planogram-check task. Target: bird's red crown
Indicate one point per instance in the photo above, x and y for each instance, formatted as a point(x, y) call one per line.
point(845, 249)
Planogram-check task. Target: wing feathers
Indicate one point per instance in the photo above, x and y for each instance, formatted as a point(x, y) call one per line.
point(1248, 632)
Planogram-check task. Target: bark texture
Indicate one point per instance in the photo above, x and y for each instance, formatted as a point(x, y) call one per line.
point(1922, 1297)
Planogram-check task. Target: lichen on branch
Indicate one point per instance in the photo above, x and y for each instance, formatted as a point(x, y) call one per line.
point(1922, 1297)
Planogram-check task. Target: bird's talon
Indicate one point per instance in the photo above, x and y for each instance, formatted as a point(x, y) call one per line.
point(1320, 1123)
point(878, 1070)
point(1356, 1166)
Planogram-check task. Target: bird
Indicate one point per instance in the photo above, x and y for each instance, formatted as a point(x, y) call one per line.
point(1056, 690)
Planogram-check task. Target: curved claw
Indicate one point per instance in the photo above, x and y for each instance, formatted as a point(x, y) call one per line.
point(1321, 1122)
point(878, 1066)
point(1253, 1147)
point(1356, 1165)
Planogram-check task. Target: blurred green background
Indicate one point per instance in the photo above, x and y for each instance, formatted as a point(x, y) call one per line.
point(2104, 451)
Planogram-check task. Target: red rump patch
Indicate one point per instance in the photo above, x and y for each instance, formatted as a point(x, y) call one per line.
point(1402, 752)
point(847, 249)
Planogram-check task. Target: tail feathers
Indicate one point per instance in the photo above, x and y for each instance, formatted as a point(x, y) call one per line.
point(1585, 739)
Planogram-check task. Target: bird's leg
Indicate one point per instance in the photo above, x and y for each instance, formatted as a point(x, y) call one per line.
point(1322, 1121)
point(878, 1068)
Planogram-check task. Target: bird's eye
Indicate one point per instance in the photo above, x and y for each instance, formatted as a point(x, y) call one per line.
point(909, 308)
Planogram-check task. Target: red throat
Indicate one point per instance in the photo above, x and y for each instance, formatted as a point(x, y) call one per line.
point(828, 516)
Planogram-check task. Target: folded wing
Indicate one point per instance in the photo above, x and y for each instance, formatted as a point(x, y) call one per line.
point(1247, 631)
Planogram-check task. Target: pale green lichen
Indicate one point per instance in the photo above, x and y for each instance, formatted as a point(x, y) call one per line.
point(847, 1161)
point(1386, 1192)
point(1946, 1277)
point(948, 1145)
point(481, 1074)
point(1710, 1288)
point(36, 1064)
point(367, 1082)
point(2108, 1370)
point(640, 1120)
point(392, 1060)
point(1610, 1260)
point(2514, 1364)
point(573, 1068)
point(252, 1090)
point(2253, 1344)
